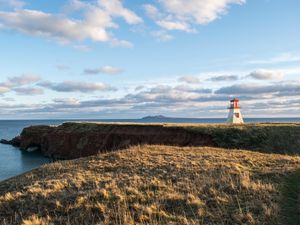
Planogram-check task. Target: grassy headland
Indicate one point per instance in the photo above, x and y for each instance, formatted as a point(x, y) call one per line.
point(75, 140)
point(154, 185)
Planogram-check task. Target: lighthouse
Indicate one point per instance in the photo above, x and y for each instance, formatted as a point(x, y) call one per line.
point(235, 115)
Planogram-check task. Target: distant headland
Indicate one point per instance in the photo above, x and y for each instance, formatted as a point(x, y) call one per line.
point(158, 117)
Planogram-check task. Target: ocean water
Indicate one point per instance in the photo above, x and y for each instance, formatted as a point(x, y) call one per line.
point(14, 162)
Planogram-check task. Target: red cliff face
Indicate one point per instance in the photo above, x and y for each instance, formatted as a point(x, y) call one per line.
point(73, 140)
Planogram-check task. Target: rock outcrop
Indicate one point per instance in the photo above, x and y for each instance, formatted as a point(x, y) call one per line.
point(14, 142)
point(74, 140)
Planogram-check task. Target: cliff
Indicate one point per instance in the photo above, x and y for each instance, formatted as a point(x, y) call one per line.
point(74, 140)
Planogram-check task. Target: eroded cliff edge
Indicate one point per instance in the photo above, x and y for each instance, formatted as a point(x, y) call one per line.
point(74, 140)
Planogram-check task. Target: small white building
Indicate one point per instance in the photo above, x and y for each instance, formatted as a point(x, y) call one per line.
point(235, 115)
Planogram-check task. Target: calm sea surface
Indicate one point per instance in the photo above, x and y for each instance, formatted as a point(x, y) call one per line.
point(14, 162)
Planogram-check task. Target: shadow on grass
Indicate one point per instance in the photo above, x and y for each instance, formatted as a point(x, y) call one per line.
point(290, 205)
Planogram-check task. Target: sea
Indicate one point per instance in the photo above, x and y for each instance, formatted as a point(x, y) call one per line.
point(14, 162)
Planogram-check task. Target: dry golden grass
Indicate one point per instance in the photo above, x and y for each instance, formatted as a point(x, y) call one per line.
point(151, 185)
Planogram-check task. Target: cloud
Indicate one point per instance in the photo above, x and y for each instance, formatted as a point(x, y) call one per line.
point(162, 36)
point(13, 3)
point(76, 86)
point(109, 70)
point(62, 67)
point(262, 74)
point(186, 100)
point(224, 78)
point(4, 89)
point(18, 81)
point(166, 21)
point(198, 11)
point(183, 14)
point(189, 79)
point(157, 96)
point(167, 94)
point(120, 43)
point(258, 90)
point(152, 11)
point(17, 84)
point(115, 8)
point(67, 101)
point(168, 24)
point(38, 23)
point(29, 91)
point(95, 24)
point(8, 99)
point(23, 79)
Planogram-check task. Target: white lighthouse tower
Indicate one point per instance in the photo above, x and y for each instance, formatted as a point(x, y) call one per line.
point(235, 115)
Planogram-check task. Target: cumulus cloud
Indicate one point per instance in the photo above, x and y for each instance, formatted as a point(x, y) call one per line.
point(162, 36)
point(76, 86)
point(3, 89)
point(169, 24)
point(95, 25)
point(185, 99)
point(67, 101)
point(152, 11)
point(262, 74)
point(38, 23)
point(8, 99)
point(28, 91)
point(23, 79)
point(17, 84)
point(201, 11)
point(120, 43)
point(189, 79)
point(224, 78)
point(167, 94)
point(277, 89)
point(17, 81)
point(109, 70)
point(165, 21)
point(183, 14)
point(115, 8)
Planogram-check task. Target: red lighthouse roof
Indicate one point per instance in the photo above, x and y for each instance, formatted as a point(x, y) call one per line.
point(235, 100)
point(234, 104)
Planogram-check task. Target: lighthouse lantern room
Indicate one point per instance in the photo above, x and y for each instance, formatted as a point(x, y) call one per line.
point(235, 115)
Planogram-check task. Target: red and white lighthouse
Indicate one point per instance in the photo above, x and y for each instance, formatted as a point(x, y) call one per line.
point(235, 115)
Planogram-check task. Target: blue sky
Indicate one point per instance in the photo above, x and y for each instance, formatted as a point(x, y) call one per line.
point(128, 59)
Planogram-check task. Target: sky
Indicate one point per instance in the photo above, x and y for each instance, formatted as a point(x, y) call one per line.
point(113, 59)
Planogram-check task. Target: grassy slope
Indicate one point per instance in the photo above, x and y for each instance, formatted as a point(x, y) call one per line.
point(151, 185)
point(268, 137)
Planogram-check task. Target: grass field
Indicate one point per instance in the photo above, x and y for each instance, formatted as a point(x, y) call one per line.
point(157, 185)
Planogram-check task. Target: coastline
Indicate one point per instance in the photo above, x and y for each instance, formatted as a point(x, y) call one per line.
point(125, 165)
point(80, 139)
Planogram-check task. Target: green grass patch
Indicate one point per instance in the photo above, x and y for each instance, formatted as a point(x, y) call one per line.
point(290, 206)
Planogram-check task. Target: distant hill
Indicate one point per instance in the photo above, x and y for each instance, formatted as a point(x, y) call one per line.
point(155, 117)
